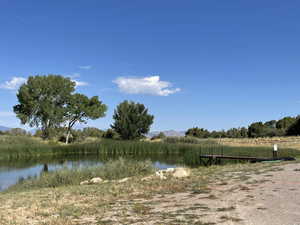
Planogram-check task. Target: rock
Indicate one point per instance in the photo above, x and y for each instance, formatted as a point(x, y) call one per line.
point(123, 180)
point(170, 170)
point(160, 174)
point(181, 172)
point(147, 178)
point(96, 180)
point(84, 182)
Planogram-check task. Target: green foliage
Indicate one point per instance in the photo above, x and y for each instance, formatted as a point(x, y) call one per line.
point(80, 108)
point(264, 130)
point(294, 129)
point(237, 133)
point(48, 102)
point(285, 123)
point(110, 134)
point(218, 134)
point(197, 132)
point(92, 132)
point(42, 101)
point(54, 134)
point(244, 132)
point(270, 128)
point(270, 124)
point(256, 130)
point(131, 120)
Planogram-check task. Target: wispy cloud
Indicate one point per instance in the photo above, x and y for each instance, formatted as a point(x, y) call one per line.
point(85, 67)
point(74, 75)
point(14, 83)
point(77, 82)
point(80, 83)
point(146, 85)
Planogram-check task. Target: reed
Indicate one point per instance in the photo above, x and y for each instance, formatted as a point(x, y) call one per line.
point(28, 148)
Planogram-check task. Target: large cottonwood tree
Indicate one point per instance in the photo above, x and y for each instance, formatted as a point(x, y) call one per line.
point(42, 101)
point(50, 102)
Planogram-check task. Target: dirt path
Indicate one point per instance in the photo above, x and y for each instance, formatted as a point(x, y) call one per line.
point(256, 198)
point(275, 201)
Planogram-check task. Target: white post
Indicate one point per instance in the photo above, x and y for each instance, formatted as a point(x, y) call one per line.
point(275, 150)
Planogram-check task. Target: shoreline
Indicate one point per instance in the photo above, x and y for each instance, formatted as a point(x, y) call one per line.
point(172, 200)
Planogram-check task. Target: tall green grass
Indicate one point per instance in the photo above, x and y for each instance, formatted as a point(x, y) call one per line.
point(28, 148)
point(21, 146)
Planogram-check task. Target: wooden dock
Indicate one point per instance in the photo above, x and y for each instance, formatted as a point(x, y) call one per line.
point(208, 160)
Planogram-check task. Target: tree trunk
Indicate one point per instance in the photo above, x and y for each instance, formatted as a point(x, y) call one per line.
point(45, 129)
point(68, 136)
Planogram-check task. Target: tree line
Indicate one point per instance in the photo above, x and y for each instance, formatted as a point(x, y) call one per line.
point(287, 126)
point(50, 103)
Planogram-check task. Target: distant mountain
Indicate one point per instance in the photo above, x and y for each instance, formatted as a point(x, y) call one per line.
point(2, 128)
point(168, 133)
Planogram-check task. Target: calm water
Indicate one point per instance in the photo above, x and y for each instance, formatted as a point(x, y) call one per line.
point(13, 171)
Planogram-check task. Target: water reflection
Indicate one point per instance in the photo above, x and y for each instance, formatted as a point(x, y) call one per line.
point(45, 168)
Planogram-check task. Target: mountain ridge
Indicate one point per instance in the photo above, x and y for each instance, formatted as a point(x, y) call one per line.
point(3, 128)
point(168, 133)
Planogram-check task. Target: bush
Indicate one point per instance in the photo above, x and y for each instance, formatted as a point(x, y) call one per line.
point(197, 132)
point(294, 129)
point(111, 134)
point(161, 135)
point(92, 132)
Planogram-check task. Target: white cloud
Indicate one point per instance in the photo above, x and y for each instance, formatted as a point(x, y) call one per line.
point(77, 82)
point(80, 83)
point(85, 67)
point(146, 85)
point(14, 83)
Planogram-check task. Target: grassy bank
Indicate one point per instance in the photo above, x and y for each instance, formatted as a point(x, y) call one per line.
point(112, 170)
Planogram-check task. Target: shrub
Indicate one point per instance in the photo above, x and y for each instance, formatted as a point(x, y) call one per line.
point(111, 134)
point(161, 135)
point(294, 129)
point(197, 132)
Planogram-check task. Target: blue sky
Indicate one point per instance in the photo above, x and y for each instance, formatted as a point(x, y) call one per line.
point(212, 64)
